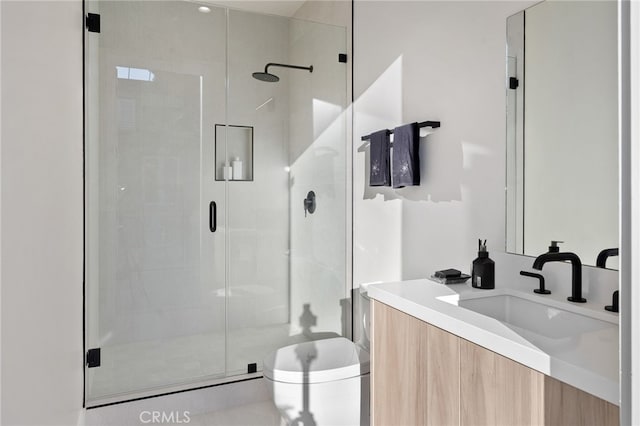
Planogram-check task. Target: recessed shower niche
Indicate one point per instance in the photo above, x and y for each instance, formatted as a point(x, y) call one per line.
point(234, 152)
point(192, 279)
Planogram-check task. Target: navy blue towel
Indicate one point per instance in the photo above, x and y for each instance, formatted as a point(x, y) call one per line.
point(406, 156)
point(380, 170)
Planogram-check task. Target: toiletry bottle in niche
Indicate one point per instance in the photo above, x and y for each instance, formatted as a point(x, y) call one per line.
point(483, 269)
point(227, 171)
point(237, 168)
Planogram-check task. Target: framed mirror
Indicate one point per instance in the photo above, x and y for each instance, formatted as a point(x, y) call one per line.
point(562, 129)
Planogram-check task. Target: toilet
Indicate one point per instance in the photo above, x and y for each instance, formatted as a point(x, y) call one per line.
point(323, 382)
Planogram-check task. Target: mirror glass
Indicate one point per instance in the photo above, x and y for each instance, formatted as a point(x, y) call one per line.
point(562, 129)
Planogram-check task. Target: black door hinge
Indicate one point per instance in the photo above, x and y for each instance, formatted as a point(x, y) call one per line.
point(92, 21)
point(252, 368)
point(93, 358)
point(513, 83)
point(342, 57)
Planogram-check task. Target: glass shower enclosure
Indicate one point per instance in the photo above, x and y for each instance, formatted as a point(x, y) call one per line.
point(201, 253)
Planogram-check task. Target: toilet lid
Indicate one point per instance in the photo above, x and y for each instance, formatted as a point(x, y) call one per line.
point(315, 362)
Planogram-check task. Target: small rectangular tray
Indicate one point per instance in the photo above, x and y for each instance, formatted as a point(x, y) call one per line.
point(457, 280)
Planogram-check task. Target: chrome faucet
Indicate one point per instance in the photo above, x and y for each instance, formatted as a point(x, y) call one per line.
point(576, 271)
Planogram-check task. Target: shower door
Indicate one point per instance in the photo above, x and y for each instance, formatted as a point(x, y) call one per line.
point(287, 267)
point(155, 276)
point(200, 259)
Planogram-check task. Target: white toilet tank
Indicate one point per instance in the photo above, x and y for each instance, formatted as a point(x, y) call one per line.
point(324, 382)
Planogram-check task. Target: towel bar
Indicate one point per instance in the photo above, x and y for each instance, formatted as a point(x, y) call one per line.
point(432, 124)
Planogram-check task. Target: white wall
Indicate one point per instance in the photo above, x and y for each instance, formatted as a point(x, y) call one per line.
point(41, 212)
point(417, 61)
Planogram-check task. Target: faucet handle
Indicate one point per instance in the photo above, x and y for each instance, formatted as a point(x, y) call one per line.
point(553, 248)
point(614, 307)
point(541, 289)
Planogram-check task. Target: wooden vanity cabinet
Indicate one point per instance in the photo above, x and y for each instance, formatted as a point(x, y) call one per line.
point(423, 375)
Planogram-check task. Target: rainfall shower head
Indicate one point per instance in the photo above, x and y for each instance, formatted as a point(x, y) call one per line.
point(272, 78)
point(265, 76)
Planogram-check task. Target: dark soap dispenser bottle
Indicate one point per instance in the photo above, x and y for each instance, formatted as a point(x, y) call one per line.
point(483, 269)
point(554, 248)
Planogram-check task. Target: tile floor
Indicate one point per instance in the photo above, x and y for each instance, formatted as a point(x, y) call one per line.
point(258, 414)
point(245, 403)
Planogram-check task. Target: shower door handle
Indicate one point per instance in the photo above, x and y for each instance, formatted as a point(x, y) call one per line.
point(213, 216)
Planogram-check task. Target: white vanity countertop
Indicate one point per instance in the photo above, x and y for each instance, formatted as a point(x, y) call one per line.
point(588, 360)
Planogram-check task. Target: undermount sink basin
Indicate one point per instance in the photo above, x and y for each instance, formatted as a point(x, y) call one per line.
point(541, 322)
point(539, 318)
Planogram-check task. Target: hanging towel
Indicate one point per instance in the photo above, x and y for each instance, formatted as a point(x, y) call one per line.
point(406, 157)
point(380, 172)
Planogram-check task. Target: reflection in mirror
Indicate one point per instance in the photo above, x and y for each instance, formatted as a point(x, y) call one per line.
point(562, 135)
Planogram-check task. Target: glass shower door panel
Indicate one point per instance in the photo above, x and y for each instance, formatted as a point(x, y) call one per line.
point(320, 303)
point(258, 225)
point(286, 269)
point(155, 275)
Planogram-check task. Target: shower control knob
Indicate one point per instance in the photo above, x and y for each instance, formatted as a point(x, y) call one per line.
point(309, 203)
